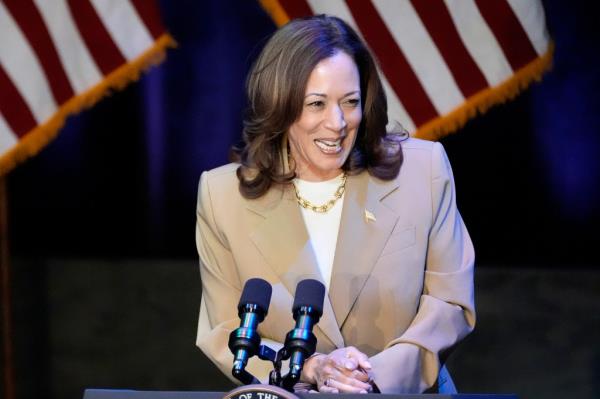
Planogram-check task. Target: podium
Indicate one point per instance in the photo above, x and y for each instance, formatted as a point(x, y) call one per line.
point(129, 394)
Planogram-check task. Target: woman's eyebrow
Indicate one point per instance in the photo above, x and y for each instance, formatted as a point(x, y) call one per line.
point(325, 95)
point(316, 94)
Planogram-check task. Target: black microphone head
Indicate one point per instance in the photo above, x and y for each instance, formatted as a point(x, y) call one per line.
point(257, 292)
point(311, 293)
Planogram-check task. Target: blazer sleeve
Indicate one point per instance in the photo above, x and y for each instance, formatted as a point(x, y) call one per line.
point(446, 312)
point(221, 290)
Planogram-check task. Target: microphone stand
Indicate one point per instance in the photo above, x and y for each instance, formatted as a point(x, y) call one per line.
point(264, 353)
point(275, 378)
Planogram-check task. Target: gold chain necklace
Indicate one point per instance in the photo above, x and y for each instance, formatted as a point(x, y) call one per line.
point(304, 203)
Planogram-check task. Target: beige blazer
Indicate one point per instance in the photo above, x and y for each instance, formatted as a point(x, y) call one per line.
point(402, 281)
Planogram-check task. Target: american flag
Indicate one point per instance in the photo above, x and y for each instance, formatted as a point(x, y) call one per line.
point(442, 61)
point(59, 56)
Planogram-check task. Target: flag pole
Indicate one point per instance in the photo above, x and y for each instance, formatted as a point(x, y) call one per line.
point(7, 347)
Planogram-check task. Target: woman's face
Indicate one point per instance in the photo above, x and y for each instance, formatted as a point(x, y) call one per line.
point(323, 136)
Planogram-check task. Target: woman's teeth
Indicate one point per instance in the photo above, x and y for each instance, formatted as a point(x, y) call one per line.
point(329, 146)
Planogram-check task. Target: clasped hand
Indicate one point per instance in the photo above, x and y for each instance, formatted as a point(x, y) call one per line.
point(343, 370)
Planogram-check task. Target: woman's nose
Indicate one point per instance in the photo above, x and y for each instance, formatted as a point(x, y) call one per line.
point(335, 119)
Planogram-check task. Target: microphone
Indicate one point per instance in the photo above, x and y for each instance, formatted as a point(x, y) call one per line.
point(244, 342)
point(300, 343)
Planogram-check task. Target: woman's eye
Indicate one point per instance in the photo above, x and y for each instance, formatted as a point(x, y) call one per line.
point(316, 104)
point(353, 102)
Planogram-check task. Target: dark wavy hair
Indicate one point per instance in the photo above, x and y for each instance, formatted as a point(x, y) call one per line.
point(276, 87)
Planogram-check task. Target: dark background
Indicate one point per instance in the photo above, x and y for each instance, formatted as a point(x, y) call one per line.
point(105, 281)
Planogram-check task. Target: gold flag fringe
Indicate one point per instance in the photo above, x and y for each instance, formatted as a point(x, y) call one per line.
point(478, 103)
point(485, 99)
point(41, 135)
point(276, 11)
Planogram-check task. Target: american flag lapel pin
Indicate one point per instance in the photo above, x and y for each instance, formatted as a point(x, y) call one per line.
point(369, 217)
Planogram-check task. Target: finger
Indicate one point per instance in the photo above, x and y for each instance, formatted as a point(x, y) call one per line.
point(349, 363)
point(359, 375)
point(328, 389)
point(349, 360)
point(340, 362)
point(349, 380)
point(361, 358)
point(364, 363)
point(363, 385)
point(346, 388)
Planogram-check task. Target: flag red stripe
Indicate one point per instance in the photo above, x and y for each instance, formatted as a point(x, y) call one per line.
point(296, 8)
point(508, 31)
point(148, 12)
point(30, 21)
point(393, 62)
point(97, 39)
point(437, 20)
point(13, 107)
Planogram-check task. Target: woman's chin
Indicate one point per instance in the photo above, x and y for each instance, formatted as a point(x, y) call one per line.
point(327, 170)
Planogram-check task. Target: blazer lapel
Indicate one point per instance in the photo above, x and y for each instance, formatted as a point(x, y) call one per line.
point(283, 241)
point(365, 227)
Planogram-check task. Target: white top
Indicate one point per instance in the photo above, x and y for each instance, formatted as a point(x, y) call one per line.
point(322, 228)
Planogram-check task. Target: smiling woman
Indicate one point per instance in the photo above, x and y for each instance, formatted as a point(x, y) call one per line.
point(323, 136)
point(319, 189)
point(291, 85)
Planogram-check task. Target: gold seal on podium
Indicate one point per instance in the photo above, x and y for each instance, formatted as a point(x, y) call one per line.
point(259, 391)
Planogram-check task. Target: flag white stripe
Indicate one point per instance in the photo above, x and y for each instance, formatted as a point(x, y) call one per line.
point(420, 51)
point(333, 7)
point(78, 63)
point(124, 26)
point(7, 138)
point(531, 16)
point(396, 111)
point(479, 41)
point(23, 68)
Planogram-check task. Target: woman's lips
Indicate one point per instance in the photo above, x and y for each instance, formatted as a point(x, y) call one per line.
point(329, 146)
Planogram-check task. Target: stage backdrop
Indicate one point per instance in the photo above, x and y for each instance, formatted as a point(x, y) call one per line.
point(121, 179)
